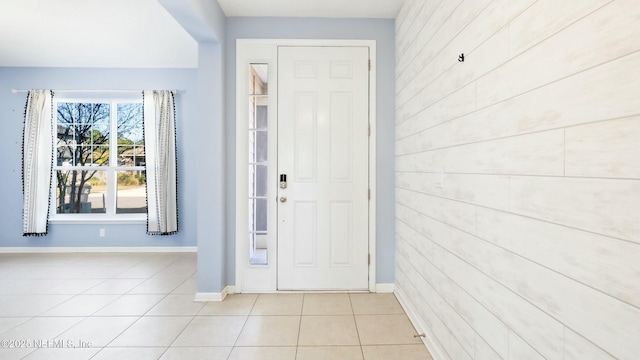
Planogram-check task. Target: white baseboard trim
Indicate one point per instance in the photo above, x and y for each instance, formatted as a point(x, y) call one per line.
point(385, 288)
point(213, 296)
point(437, 352)
point(88, 249)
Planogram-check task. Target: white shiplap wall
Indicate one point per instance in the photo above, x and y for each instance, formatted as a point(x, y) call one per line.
point(518, 177)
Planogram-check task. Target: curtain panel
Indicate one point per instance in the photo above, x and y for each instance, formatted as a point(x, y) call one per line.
point(161, 169)
point(37, 161)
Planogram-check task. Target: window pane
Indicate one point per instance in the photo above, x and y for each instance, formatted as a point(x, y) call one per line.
point(100, 134)
point(80, 191)
point(82, 134)
point(83, 155)
point(258, 249)
point(261, 146)
point(85, 122)
point(100, 155)
point(261, 215)
point(131, 155)
point(132, 192)
point(66, 155)
point(130, 135)
point(258, 79)
point(66, 136)
point(257, 180)
point(261, 180)
point(130, 122)
point(261, 117)
point(258, 215)
point(86, 155)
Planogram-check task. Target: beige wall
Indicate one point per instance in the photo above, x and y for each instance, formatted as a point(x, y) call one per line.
point(518, 177)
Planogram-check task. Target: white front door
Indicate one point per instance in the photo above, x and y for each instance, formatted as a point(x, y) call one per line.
point(323, 150)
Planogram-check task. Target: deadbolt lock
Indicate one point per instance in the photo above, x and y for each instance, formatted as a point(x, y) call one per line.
point(283, 181)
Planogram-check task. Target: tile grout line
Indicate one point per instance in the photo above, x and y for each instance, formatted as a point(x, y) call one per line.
point(246, 320)
point(353, 313)
point(300, 325)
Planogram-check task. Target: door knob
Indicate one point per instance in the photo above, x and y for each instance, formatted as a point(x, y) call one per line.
point(283, 199)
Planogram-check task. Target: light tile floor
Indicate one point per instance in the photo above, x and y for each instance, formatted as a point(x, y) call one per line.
point(140, 306)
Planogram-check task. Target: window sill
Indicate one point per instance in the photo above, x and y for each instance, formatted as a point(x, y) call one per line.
point(98, 219)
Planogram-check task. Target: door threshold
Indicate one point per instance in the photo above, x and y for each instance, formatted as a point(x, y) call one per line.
point(323, 291)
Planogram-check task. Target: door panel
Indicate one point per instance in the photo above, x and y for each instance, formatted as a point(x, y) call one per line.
point(323, 148)
point(341, 234)
point(305, 230)
point(341, 133)
point(305, 141)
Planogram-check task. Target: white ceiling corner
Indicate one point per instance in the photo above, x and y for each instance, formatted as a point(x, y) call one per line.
point(136, 33)
point(93, 33)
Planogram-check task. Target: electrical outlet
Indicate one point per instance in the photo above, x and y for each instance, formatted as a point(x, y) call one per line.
point(102, 233)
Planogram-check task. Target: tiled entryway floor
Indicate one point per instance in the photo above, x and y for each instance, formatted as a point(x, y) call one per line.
point(140, 306)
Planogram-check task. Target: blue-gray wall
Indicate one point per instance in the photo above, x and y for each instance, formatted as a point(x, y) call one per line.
point(380, 30)
point(205, 21)
point(66, 235)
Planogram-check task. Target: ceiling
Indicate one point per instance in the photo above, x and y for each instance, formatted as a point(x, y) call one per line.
point(92, 33)
point(111, 33)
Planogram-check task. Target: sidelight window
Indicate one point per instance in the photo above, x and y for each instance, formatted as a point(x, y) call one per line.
point(258, 162)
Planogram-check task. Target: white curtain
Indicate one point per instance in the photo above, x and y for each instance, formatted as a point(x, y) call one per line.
point(160, 153)
point(37, 159)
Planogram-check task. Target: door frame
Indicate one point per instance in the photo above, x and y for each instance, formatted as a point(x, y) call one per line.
point(263, 278)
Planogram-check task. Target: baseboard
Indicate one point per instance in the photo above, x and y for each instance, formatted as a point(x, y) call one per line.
point(88, 249)
point(434, 348)
point(385, 288)
point(214, 296)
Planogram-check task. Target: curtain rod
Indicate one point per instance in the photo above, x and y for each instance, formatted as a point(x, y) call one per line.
point(15, 91)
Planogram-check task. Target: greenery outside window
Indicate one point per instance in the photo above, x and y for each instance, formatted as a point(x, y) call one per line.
point(99, 166)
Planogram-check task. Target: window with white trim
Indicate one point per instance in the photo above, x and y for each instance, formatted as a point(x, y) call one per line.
point(258, 163)
point(99, 166)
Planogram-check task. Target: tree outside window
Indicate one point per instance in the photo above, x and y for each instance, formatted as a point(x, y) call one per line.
point(95, 171)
